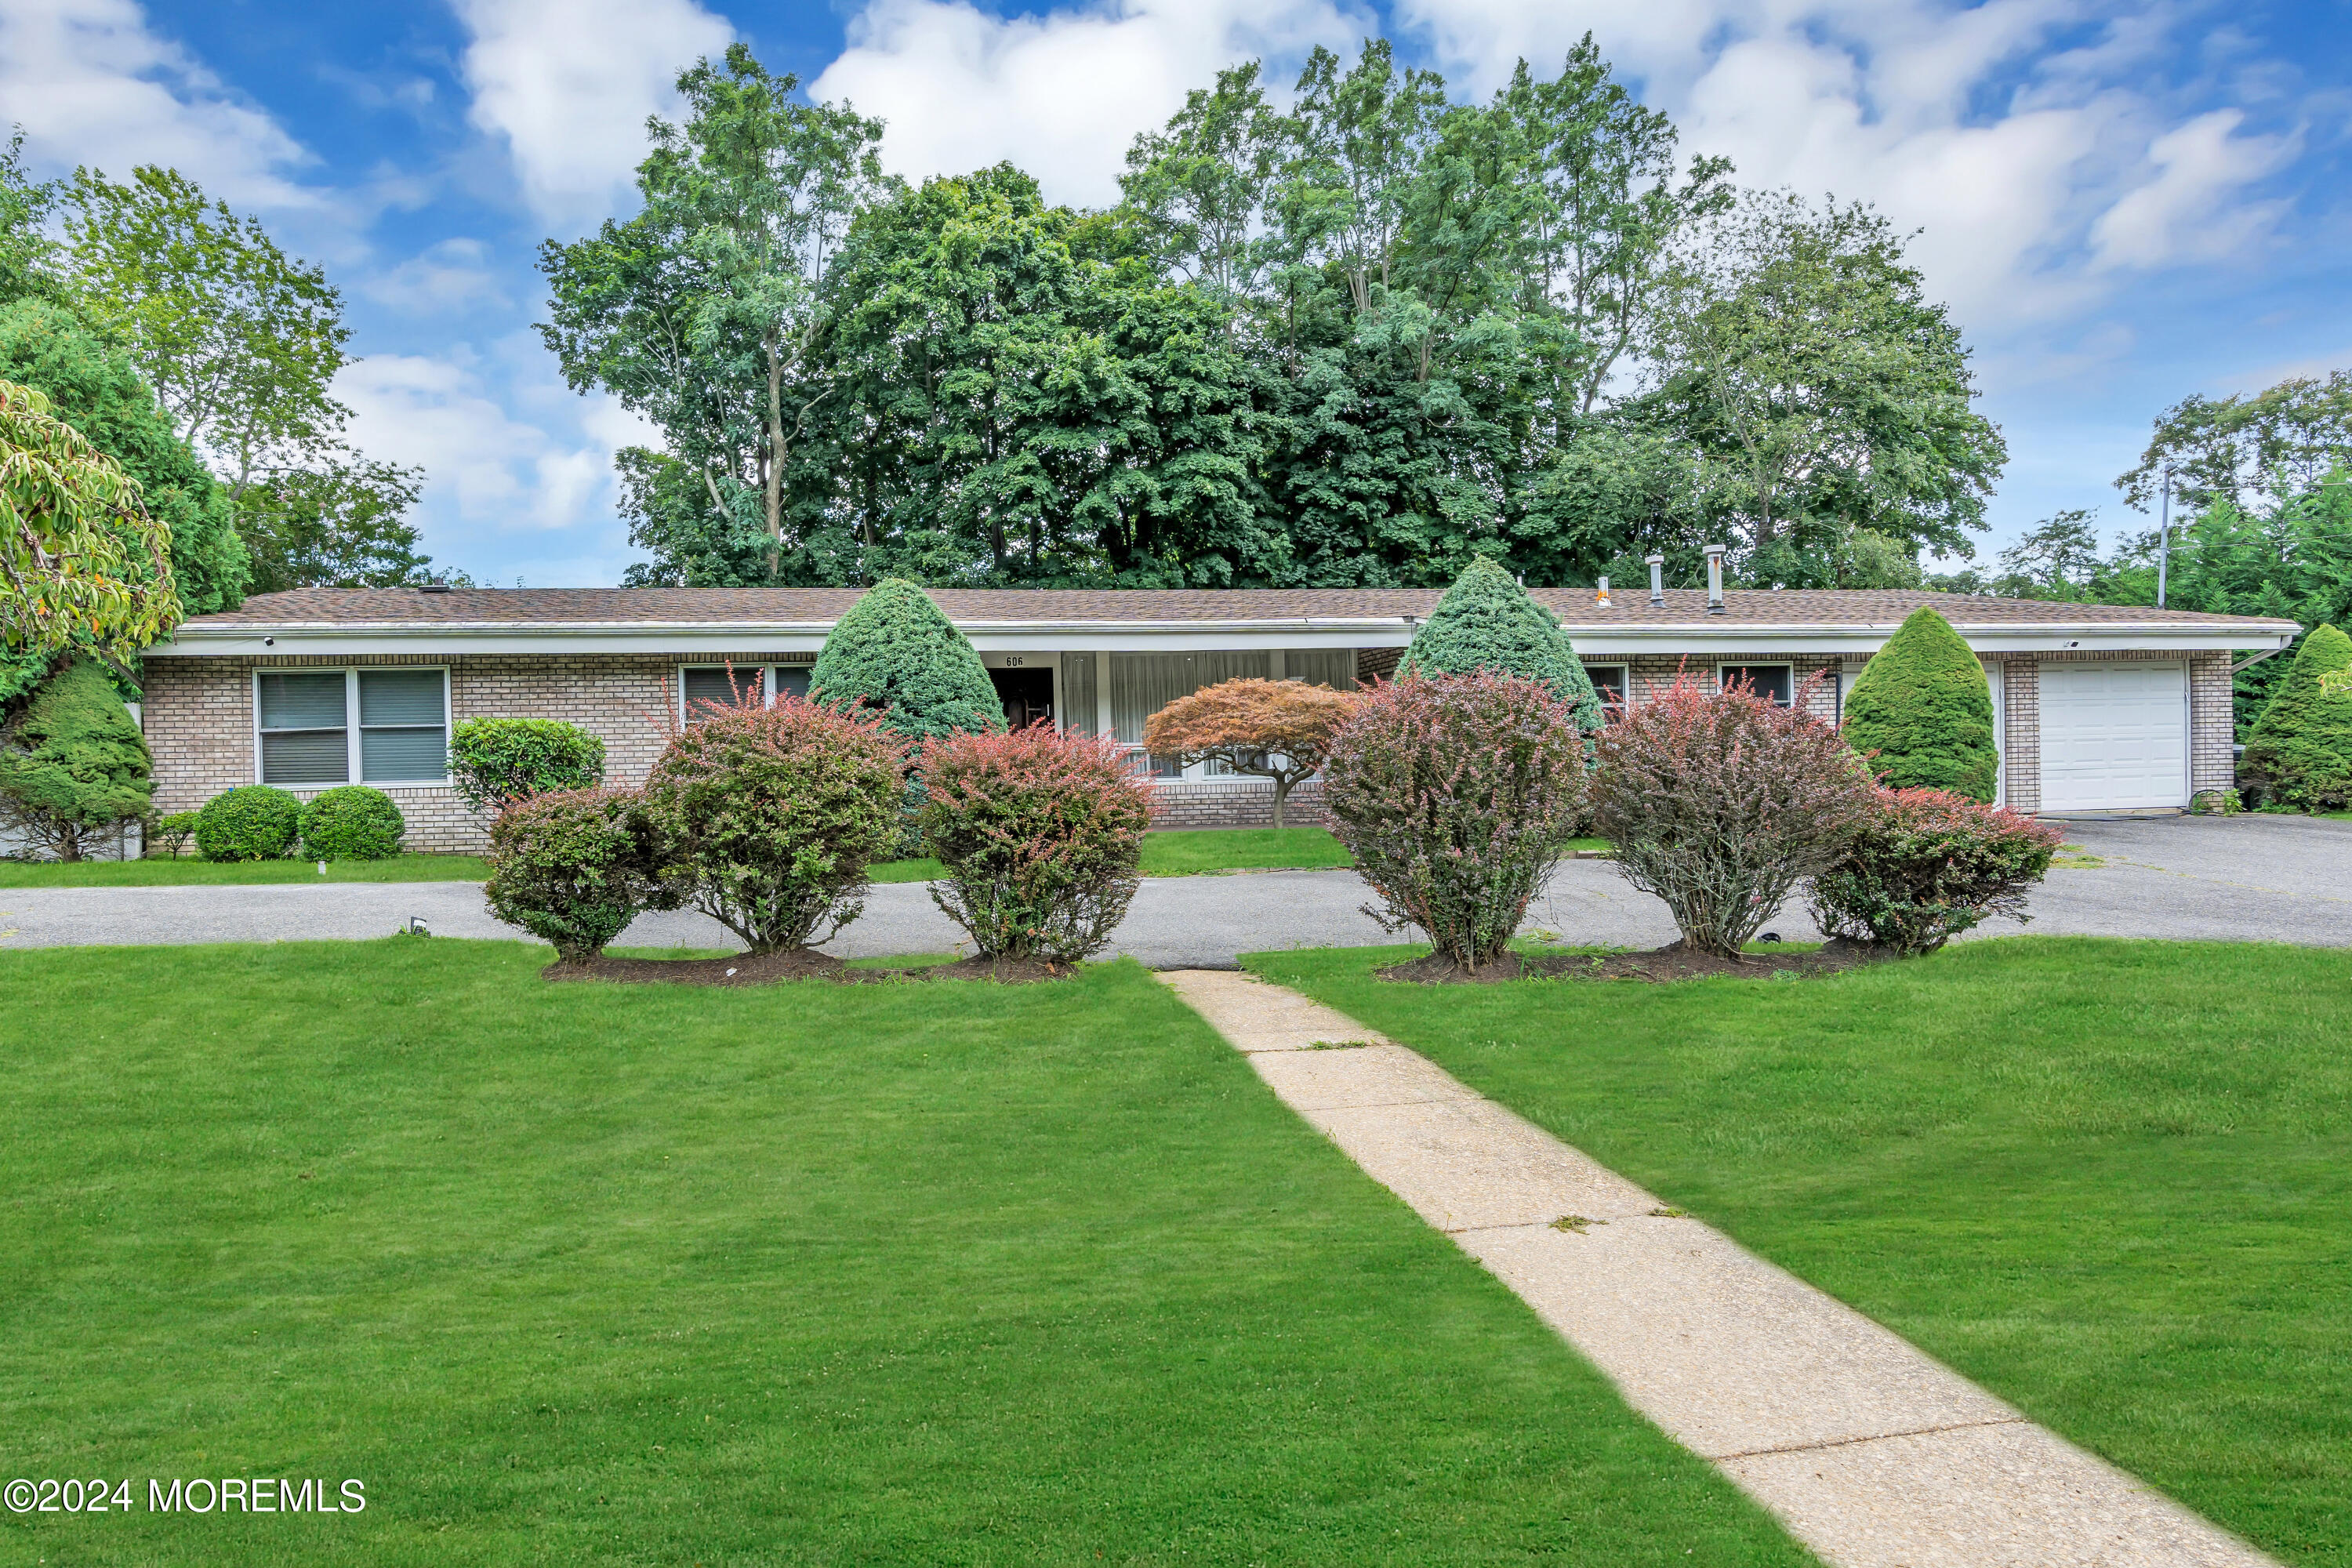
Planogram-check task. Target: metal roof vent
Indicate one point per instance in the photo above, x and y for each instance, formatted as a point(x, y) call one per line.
point(435, 586)
point(1714, 578)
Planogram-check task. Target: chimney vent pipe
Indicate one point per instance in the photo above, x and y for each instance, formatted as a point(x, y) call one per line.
point(1714, 578)
point(1657, 578)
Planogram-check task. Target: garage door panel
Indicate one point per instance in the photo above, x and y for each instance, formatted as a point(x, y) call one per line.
point(2114, 736)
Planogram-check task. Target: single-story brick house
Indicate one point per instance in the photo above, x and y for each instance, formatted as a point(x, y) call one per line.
point(2101, 708)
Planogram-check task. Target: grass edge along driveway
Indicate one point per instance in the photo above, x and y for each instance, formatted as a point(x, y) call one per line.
point(955, 1274)
point(2105, 1179)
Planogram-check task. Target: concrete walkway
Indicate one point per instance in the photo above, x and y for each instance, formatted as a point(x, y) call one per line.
point(1870, 1452)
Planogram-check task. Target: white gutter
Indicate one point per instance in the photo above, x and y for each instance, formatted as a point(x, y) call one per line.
point(463, 638)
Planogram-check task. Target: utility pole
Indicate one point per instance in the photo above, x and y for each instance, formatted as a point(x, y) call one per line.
point(2163, 537)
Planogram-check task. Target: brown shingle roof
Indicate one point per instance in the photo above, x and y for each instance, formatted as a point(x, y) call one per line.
point(524, 608)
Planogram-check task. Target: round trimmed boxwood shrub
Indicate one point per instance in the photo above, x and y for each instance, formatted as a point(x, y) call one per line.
point(1041, 831)
point(2300, 753)
point(898, 653)
point(1455, 795)
point(575, 867)
point(777, 812)
point(1928, 865)
point(1922, 705)
point(351, 822)
point(251, 822)
point(493, 762)
point(1486, 621)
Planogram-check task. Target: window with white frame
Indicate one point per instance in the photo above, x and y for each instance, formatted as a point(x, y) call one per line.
point(1610, 682)
point(1776, 682)
point(320, 727)
point(701, 684)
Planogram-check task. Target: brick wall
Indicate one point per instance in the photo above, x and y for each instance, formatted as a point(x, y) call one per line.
point(1234, 802)
point(199, 720)
point(2021, 695)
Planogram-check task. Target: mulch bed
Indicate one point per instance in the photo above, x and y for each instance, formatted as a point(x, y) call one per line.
point(1673, 961)
point(769, 968)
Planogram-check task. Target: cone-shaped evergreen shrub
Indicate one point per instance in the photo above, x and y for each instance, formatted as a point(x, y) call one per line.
point(2300, 753)
point(75, 766)
point(1485, 621)
point(1923, 705)
point(916, 672)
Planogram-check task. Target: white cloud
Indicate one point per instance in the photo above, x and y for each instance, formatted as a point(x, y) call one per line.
point(448, 275)
point(484, 469)
point(568, 84)
point(1062, 94)
point(91, 83)
point(2182, 212)
point(2014, 133)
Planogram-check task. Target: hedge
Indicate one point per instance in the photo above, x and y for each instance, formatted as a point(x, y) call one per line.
point(251, 822)
point(351, 822)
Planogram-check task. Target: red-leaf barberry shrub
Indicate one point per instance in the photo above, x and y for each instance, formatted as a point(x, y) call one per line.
point(1455, 795)
point(575, 867)
point(778, 812)
point(1927, 866)
point(1041, 832)
point(1721, 803)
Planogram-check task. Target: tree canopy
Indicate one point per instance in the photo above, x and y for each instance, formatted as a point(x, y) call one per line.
point(83, 564)
point(1354, 340)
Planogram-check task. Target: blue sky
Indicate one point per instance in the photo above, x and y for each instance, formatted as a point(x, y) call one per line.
point(2123, 205)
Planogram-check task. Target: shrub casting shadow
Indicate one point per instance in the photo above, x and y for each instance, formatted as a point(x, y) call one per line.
point(1673, 961)
point(796, 964)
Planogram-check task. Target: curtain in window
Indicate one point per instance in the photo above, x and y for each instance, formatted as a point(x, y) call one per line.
point(1332, 667)
point(1078, 693)
point(1141, 684)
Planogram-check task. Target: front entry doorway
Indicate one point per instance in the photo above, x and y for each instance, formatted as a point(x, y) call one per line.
point(1027, 695)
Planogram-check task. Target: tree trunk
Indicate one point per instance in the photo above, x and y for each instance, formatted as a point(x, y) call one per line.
point(1281, 793)
point(776, 447)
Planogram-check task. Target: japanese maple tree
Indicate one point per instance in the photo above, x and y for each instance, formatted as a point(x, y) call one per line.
point(1279, 729)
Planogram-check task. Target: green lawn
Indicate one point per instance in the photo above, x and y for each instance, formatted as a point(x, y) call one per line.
point(2110, 1180)
point(174, 873)
point(1178, 854)
point(602, 1274)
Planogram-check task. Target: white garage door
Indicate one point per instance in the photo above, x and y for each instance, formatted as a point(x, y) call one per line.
point(2114, 736)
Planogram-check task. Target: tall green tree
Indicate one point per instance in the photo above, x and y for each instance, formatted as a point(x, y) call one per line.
point(1794, 348)
point(2257, 449)
point(339, 524)
point(1018, 390)
point(699, 312)
point(238, 340)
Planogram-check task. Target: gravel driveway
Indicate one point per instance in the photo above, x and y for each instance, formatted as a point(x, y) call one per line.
point(2265, 878)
